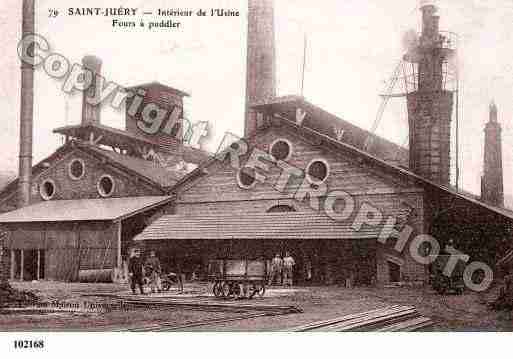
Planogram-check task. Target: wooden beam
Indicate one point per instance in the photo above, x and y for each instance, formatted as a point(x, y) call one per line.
point(119, 259)
point(38, 276)
point(22, 264)
point(13, 263)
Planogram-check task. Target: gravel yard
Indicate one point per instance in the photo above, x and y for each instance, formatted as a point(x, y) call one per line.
point(451, 313)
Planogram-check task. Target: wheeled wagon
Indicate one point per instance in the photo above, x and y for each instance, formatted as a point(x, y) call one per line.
point(238, 278)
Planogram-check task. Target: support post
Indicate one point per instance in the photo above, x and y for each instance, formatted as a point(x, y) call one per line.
point(38, 276)
point(22, 264)
point(119, 259)
point(13, 264)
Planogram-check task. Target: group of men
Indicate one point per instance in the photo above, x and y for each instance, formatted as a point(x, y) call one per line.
point(138, 270)
point(282, 270)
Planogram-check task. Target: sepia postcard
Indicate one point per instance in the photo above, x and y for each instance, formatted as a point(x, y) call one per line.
point(255, 166)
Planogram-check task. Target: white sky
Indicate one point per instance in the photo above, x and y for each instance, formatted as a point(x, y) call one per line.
point(354, 48)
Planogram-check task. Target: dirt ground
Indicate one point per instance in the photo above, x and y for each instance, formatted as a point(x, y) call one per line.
point(467, 312)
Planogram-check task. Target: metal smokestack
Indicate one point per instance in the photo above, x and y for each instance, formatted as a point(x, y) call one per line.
point(26, 112)
point(91, 114)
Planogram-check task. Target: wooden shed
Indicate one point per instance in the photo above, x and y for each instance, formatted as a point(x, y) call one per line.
point(55, 240)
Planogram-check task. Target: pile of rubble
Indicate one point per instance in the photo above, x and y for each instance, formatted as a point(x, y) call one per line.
point(10, 297)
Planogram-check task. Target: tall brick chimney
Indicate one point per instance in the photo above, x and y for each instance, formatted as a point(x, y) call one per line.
point(261, 60)
point(26, 112)
point(430, 105)
point(492, 182)
point(91, 114)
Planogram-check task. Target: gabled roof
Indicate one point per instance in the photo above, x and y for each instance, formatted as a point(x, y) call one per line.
point(36, 169)
point(158, 176)
point(293, 225)
point(358, 153)
point(327, 124)
point(110, 136)
point(158, 84)
point(105, 209)
point(115, 137)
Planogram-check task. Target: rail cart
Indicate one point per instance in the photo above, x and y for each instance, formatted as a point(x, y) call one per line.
point(446, 284)
point(238, 278)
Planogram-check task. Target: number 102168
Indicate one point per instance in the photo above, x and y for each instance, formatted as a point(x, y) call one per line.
point(29, 344)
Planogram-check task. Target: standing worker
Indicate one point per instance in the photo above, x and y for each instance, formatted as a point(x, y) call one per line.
point(276, 268)
point(288, 269)
point(135, 271)
point(153, 265)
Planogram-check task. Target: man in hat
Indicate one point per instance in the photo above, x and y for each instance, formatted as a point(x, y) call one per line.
point(135, 271)
point(276, 268)
point(288, 269)
point(154, 268)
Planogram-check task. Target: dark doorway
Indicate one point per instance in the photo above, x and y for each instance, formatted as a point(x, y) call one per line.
point(29, 264)
point(394, 272)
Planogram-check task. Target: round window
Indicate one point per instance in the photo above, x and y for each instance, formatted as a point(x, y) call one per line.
point(317, 171)
point(281, 150)
point(106, 186)
point(76, 169)
point(47, 189)
point(246, 177)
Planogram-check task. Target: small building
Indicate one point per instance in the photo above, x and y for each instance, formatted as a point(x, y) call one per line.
point(90, 197)
point(56, 240)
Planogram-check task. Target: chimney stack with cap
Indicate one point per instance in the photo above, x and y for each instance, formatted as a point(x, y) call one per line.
point(430, 106)
point(492, 182)
point(91, 113)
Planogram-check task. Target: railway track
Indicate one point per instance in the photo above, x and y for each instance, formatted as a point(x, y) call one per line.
point(242, 311)
point(172, 326)
point(213, 305)
point(393, 318)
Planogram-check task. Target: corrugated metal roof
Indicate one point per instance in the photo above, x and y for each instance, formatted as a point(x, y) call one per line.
point(296, 225)
point(83, 209)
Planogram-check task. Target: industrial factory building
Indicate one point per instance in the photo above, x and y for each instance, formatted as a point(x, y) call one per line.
point(101, 193)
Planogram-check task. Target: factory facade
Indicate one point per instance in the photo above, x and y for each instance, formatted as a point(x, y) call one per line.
point(102, 194)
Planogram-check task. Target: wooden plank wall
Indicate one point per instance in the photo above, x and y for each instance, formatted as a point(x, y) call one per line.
point(346, 174)
point(218, 192)
point(69, 247)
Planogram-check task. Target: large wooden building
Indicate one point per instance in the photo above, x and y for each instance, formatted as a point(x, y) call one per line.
point(103, 192)
point(221, 211)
